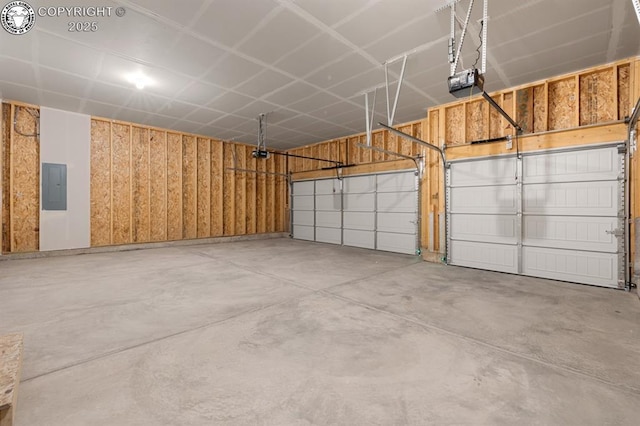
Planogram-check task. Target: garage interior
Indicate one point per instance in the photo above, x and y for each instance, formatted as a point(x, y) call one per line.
point(297, 212)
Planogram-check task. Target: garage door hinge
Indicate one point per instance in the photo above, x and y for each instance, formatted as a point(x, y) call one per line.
point(617, 232)
point(622, 149)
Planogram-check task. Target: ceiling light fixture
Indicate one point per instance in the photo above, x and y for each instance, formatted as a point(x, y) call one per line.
point(139, 80)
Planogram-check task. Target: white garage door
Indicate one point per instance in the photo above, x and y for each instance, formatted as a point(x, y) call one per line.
point(377, 211)
point(557, 215)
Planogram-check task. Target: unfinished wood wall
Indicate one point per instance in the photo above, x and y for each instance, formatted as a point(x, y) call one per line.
point(20, 178)
point(597, 98)
point(156, 185)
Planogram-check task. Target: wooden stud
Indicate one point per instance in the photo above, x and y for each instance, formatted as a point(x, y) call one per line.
point(271, 195)
point(158, 181)
point(241, 190)
point(174, 186)
point(141, 180)
point(122, 186)
point(189, 190)
point(251, 179)
point(229, 190)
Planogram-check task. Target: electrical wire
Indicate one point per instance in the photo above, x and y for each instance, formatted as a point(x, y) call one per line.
point(480, 45)
point(35, 115)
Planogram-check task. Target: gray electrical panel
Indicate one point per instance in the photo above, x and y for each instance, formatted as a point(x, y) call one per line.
point(54, 186)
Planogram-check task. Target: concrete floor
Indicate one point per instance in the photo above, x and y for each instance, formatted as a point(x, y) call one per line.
point(283, 332)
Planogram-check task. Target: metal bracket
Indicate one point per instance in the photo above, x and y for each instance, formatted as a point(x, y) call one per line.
point(391, 111)
point(618, 232)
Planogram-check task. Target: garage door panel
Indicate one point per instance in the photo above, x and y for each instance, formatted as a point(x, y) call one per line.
point(303, 188)
point(405, 202)
point(303, 202)
point(328, 202)
point(355, 238)
point(301, 217)
point(360, 202)
point(328, 219)
point(302, 232)
point(359, 220)
point(360, 184)
point(402, 223)
point(495, 257)
point(396, 182)
point(484, 228)
point(576, 233)
point(498, 171)
point(571, 265)
point(327, 186)
point(397, 243)
point(484, 200)
point(573, 166)
point(329, 235)
point(573, 198)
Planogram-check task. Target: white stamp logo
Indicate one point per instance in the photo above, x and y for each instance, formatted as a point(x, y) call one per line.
point(17, 17)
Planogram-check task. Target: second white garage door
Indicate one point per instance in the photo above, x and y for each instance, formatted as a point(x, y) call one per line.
point(377, 211)
point(557, 215)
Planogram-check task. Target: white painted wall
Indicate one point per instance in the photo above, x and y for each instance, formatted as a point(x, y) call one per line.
point(65, 138)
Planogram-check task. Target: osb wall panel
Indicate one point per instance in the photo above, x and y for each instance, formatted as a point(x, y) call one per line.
point(455, 119)
point(158, 184)
point(539, 108)
point(261, 198)
point(204, 188)
point(240, 191)
point(496, 124)
point(598, 102)
point(281, 195)
point(475, 121)
point(121, 195)
point(378, 141)
point(141, 185)
point(100, 183)
point(189, 176)
point(524, 109)
point(229, 190)
point(563, 104)
point(25, 177)
point(174, 186)
point(624, 73)
point(5, 147)
point(251, 184)
point(217, 188)
point(271, 195)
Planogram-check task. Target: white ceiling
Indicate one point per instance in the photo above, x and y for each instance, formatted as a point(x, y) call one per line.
point(217, 64)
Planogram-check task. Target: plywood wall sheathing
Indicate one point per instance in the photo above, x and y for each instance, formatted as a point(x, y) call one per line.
point(598, 103)
point(540, 112)
point(281, 190)
point(5, 149)
point(100, 183)
point(158, 185)
point(563, 105)
point(241, 191)
point(141, 185)
point(174, 186)
point(203, 228)
point(229, 185)
point(455, 127)
point(623, 91)
point(252, 182)
point(496, 124)
point(217, 188)
point(121, 183)
point(377, 140)
point(524, 109)
point(261, 198)
point(271, 195)
point(189, 187)
point(405, 146)
point(475, 121)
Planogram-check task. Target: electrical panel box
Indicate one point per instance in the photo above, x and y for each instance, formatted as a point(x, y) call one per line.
point(466, 83)
point(54, 186)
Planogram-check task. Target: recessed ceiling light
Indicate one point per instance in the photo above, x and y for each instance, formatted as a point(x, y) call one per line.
point(139, 80)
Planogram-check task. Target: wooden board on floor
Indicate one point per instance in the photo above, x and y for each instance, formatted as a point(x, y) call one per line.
point(11, 349)
point(100, 183)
